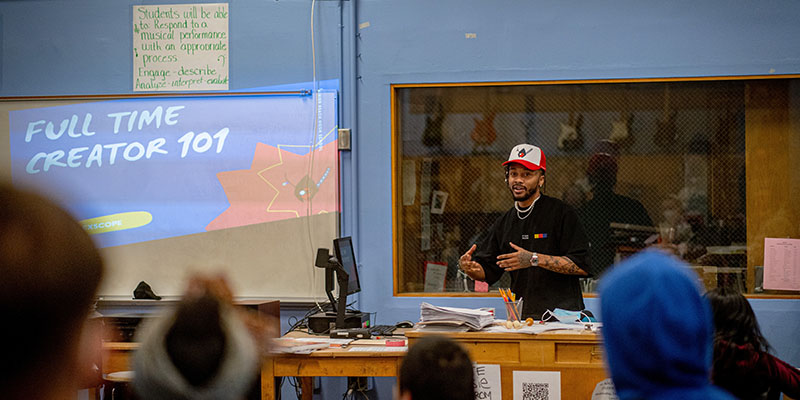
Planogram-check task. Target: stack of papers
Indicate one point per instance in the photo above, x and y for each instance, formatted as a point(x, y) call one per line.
point(475, 319)
point(305, 345)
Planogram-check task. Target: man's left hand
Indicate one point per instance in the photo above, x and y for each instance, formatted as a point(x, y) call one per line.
point(519, 259)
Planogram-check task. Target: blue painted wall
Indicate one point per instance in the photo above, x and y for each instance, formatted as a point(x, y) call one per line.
point(419, 41)
point(84, 47)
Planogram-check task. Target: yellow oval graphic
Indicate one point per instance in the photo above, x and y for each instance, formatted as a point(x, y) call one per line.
point(116, 222)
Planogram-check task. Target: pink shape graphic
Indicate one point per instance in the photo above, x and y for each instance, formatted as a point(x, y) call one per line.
point(278, 186)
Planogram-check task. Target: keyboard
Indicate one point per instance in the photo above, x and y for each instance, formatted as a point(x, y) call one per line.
point(382, 330)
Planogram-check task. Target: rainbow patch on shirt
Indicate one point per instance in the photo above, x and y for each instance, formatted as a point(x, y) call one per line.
point(539, 235)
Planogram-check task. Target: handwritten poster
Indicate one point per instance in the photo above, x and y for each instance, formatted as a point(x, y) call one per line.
point(604, 390)
point(539, 385)
point(435, 274)
point(781, 264)
point(180, 47)
point(487, 382)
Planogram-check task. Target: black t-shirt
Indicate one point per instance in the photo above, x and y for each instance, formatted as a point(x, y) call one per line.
point(552, 228)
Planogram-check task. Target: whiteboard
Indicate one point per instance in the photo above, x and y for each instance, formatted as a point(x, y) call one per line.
point(167, 186)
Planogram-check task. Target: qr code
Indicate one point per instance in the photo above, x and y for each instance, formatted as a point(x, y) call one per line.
point(535, 391)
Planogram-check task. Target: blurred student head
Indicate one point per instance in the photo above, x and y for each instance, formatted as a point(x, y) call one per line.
point(734, 319)
point(203, 349)
point(740, 350)
point(657, 330)
point(436, 368)
point(49, 273)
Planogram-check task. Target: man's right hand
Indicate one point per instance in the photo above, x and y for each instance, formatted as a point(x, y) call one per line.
point(471, 268)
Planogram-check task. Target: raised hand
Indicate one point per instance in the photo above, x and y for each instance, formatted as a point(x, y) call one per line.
point(471, 268)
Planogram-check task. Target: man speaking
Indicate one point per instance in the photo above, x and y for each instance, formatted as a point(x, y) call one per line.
point(539, 241)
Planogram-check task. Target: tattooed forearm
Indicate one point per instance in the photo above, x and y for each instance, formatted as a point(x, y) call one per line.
point(562, 265)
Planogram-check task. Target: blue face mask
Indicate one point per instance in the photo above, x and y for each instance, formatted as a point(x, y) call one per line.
point(567, 316)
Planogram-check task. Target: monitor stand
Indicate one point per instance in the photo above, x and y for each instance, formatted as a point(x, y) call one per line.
point(325, 322)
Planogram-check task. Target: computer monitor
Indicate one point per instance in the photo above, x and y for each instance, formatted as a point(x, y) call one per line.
point(347, 258)
point(340, 269)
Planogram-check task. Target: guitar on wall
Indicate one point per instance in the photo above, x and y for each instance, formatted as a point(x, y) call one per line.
point(666, 132)
point(621, 130)
point(432, 134)
point(483, 134)
point(571, 137)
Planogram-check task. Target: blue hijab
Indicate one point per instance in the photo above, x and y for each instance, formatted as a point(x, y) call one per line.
point(657, 330)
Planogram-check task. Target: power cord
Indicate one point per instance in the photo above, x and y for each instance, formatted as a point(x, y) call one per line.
point(356, 386)
point(302, 323)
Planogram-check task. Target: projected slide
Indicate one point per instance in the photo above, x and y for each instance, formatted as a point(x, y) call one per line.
point(137, 170)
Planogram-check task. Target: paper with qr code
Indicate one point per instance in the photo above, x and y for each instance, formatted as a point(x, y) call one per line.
point(537, 385)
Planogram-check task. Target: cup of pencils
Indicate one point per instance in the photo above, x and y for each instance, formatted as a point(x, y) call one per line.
point(514, 310)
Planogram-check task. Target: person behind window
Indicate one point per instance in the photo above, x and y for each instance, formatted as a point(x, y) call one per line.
point(203, 349)
point(49, 274)
point(436, 368)
point(539, 241)
point(674, 230)
point(742, 363)
point(657, 330)
point(607, 207)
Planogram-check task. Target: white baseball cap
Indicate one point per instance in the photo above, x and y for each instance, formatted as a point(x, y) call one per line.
point(527, 155)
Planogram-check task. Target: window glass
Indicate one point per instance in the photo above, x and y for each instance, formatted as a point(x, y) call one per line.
point(642, 163)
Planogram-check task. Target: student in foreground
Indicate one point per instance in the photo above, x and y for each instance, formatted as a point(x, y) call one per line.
point(49, 273)
point(657, 330)
point(742, 363)
point(203, 349)
point(436, 368)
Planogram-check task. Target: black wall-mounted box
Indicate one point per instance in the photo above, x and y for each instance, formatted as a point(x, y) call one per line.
point(324, 322)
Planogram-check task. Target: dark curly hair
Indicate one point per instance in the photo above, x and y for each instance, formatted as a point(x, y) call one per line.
point(437, 368)
point(734, 320)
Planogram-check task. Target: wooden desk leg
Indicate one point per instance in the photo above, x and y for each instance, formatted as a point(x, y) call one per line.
point(307, 387)
point(268, 380)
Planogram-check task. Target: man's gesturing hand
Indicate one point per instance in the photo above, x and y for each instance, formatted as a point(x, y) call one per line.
point(519, 259)
point(471, 268)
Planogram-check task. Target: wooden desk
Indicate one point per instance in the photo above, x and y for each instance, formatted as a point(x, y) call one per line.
point(332, 362)
point(117, 356)
point(578, 356)
point(326, 362)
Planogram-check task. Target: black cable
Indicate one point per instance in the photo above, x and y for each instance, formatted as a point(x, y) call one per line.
point(354, 387)
point(297, 387)
point(280, 385)
point(303, 322)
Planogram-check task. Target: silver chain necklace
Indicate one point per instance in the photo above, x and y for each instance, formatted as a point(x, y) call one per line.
point(526, 211)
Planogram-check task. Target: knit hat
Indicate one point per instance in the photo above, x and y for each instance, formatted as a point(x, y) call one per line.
point(158, 376)
point(657, 330)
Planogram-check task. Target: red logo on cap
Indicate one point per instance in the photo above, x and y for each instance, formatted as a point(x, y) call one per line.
point(522, 153)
